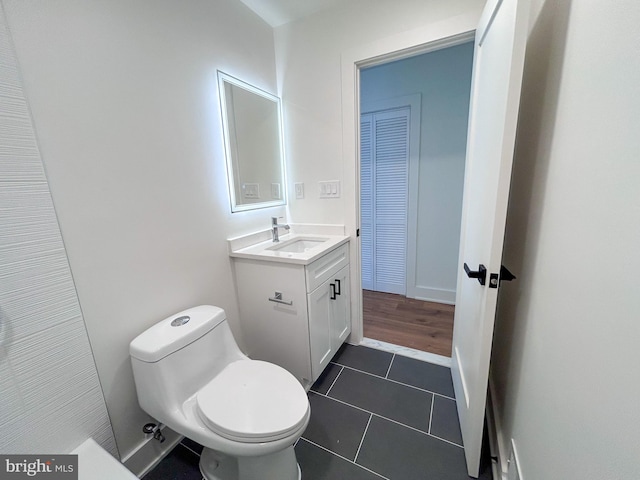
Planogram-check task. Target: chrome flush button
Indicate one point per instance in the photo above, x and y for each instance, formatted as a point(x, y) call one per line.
point(177, 322)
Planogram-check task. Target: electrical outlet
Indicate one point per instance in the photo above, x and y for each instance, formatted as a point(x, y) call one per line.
point(299, 190)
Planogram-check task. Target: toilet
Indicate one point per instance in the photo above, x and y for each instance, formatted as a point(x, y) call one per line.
point(191, 376)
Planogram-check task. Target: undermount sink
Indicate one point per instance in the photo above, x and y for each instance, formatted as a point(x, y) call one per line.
point(298, 248)
point(299, 245)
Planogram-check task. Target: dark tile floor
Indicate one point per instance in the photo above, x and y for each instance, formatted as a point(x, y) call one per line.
point(373, 415)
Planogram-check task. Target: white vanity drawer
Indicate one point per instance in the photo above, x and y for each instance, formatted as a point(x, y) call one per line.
point(326, 266)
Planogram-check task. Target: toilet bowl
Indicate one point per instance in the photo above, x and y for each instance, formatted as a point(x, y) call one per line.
point(248, 414)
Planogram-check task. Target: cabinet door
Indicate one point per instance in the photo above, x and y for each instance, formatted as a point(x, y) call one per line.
point(320, 331)
point(275, 332)
point(340, 309)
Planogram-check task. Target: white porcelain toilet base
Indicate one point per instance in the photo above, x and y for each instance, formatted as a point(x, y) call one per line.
point(281, 465)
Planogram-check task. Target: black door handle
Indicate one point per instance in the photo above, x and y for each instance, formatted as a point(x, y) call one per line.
point(480, 274)
point(332, 291)
point(506, 275)
point(337, 286)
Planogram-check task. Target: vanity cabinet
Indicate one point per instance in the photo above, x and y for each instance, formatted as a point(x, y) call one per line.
point(296, 316)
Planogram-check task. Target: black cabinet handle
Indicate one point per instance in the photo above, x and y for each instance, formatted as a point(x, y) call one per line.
point(480, 274)
point(337, 287)
point(332, 291)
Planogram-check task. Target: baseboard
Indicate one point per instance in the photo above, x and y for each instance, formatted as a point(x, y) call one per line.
point(427, 294)
point(499, 452)
point(150, 452)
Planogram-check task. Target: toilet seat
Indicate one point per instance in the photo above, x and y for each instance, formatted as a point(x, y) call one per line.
point(253, 401)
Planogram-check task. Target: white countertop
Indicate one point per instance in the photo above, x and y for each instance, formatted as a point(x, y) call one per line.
point(267, 250)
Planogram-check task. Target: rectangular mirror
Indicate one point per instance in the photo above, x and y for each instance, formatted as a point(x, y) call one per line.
point(252, 126)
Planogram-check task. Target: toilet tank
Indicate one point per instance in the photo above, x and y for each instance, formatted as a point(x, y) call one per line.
point(177, 356)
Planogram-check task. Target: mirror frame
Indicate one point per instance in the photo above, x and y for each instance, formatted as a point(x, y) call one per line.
point(224, 78)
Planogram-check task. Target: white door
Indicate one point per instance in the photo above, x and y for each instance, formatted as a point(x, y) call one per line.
point(384, 187)
point(495, 95)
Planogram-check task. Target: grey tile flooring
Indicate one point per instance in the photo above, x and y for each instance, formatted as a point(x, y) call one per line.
point(406, 405)
point(326, 379)
point(434, 378)
point(445, 423)
point(319, 464)
point(367, 427)
point(336, 426)
point(191, 445)
point(404, 454)
point(363, 358)
point(180, 464)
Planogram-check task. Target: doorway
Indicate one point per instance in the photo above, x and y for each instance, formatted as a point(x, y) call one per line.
point(413, 129)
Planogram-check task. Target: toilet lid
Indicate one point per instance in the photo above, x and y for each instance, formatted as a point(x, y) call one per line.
point(253, 401)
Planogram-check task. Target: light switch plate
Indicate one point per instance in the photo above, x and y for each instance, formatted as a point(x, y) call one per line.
point(251, 190)
point(299, 190)
point(330, 189)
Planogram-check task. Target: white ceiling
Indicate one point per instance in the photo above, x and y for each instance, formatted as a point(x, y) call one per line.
point(279, 12)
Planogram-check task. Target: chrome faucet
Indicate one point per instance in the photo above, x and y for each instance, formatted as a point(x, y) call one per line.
point(274, 228)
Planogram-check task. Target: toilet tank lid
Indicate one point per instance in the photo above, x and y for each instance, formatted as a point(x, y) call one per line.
point(175, 332)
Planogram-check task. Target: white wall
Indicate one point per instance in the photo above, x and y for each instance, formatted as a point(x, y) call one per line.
point(125, 103)
point(50, 392)
point(566, 362)
point(443, 79)
point(309, 54)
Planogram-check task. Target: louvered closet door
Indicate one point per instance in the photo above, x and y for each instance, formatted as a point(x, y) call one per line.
point(384, 195)
point(366, 199)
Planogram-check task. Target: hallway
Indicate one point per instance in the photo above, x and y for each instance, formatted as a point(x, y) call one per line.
point(426, 326)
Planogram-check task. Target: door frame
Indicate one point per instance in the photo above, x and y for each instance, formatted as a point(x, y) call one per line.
point(414, 103)
point(408, 44)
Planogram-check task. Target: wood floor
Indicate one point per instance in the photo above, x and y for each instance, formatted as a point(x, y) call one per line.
point(391, 318)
